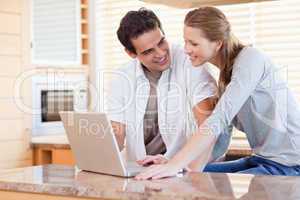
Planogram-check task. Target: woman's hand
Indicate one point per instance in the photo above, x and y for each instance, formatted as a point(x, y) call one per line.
point(156, 159)
point(199, 146)
point(159, 171)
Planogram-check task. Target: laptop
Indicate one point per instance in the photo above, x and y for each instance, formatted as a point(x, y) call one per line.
point(94, 145)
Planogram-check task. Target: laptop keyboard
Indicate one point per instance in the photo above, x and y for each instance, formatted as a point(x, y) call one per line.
point(133, 166)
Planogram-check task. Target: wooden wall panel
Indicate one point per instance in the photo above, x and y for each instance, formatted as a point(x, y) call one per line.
point(11, 23)
point(9, 110)
point(11, 5)
point(15, 150)
point(10, 65)
point(6, 87)
point(11, 130)
point(15, 164)
point(10, 45)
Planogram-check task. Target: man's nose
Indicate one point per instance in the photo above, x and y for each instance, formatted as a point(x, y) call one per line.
point(159, 52)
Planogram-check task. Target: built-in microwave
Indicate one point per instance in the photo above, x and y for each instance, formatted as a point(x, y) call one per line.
point(53, 94)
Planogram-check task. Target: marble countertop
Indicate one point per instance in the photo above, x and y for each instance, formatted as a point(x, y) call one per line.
point(67, 181)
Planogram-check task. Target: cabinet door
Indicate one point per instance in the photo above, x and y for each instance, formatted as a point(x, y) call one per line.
point(62, 156)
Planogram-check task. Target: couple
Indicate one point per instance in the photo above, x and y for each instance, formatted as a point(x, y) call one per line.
point(165, 88)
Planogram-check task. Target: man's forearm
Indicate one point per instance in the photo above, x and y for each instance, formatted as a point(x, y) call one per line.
point(120, 142)
point(119, 131)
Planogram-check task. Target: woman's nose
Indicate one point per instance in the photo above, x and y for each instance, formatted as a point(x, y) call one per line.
point(187, 50)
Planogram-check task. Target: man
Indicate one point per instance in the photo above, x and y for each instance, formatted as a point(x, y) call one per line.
point(157, 94)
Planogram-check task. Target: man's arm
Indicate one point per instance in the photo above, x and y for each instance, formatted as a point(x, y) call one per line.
point(115, 103)
point(119, 131)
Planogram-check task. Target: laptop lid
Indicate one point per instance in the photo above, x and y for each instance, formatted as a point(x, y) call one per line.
point(93, 143)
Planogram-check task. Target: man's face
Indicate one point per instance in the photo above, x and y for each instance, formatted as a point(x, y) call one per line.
point(152, 50)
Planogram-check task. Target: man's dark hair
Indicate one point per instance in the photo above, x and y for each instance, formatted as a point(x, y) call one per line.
point(134, 24)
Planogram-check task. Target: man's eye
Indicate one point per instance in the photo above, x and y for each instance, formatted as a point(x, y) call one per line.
point(161, 42)
point(147, 52)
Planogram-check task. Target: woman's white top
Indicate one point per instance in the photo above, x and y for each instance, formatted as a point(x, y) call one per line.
point(259, 103)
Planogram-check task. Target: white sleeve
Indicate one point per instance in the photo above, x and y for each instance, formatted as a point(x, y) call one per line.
point(222, 143)
point(115, 101)
point(201, 84)
point(247, 73)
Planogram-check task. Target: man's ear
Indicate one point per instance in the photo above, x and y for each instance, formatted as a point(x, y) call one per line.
point(131, 54)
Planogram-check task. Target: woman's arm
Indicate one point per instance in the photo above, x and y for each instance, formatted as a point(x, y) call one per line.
point(248, 72)
point(199, 146)
point(201, 111)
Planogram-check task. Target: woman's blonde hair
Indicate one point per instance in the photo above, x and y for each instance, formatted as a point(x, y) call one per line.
point(215, 27)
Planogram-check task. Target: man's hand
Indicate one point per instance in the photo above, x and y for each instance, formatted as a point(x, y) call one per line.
point(149, 160)
point(119, 131)
point(159, 171)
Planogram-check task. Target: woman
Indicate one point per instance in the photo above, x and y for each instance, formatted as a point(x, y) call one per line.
point(252, 98)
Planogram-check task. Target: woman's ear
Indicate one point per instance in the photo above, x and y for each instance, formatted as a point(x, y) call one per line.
point(219, 45)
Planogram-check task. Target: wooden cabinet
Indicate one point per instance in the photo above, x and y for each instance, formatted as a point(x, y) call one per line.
point(7, 195)
point(84, 32)
point(50, 154)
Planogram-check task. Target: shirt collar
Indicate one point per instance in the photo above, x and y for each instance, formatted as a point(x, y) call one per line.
point(139, 72)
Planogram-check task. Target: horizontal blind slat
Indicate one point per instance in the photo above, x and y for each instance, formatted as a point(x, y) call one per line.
point(56, 32)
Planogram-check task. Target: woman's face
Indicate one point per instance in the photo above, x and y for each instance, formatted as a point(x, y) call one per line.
point(199, 48)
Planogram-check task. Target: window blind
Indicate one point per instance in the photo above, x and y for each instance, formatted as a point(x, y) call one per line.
point(197, 3)
point(56, 32)
point(272, 26)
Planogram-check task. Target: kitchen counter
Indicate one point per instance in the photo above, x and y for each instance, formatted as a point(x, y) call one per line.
point(61, 142)
point(66, 182)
